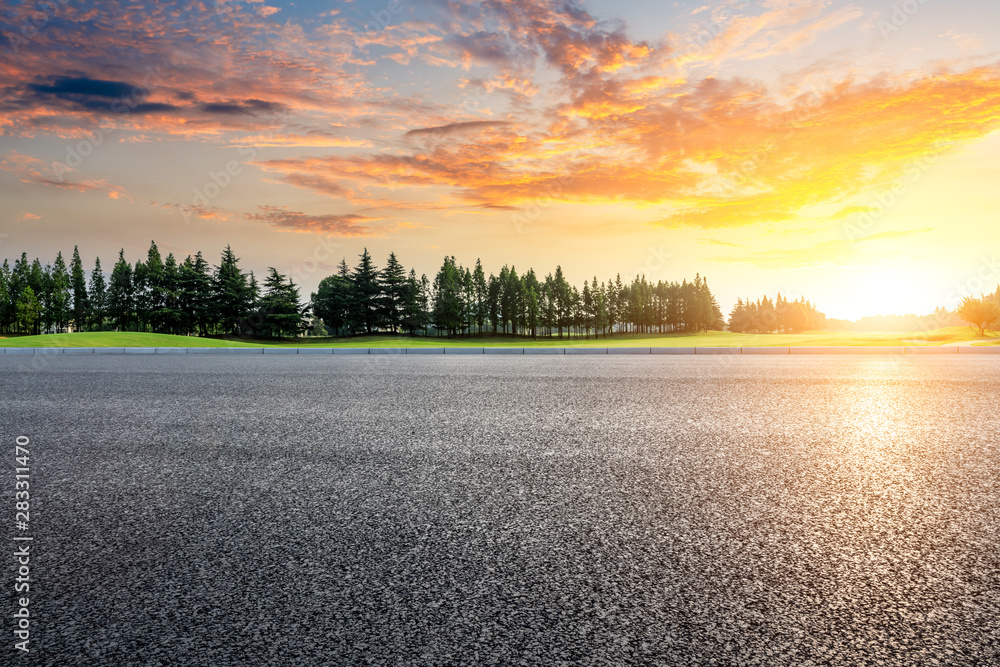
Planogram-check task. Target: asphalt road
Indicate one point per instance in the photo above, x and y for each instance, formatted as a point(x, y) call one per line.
point(507, 510)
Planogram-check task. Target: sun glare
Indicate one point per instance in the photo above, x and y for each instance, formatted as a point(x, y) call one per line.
point(881, 291)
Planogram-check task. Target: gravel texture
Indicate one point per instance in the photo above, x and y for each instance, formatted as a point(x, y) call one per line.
point(230, 510)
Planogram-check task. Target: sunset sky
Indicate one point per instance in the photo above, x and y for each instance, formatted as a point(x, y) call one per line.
point(843, 151)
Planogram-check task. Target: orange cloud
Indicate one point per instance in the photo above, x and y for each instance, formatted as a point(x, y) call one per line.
point(714, 154)
point(35, 171)
point(279, 217)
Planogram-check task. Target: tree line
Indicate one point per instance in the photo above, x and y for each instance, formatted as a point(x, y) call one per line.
point(982, 313)
point(782, 315)
point(157, 295)
point(465, 301)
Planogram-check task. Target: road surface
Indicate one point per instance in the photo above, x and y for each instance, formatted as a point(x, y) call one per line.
point(507, 510)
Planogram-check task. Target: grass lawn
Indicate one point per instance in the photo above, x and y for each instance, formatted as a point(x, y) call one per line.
point(949, 335)
point(116, 339)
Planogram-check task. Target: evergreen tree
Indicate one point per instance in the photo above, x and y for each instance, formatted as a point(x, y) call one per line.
point(8, 300)
point(282, 312)
point(98, 297)
point(448, 297)
point(367, 291)
point(493, 300)
point(61, 298)
point(78, 281)
point(45, 299)
point(121, 297)
point(333, 303)
point(140, 296)
point(414, 306)
point(533, 310)
point(480, 311)
point(28, 310)
point(232, 296)
point(564, 301)
point(170, 315)
point(392, 282)
point(155, 297)
point(199, 307)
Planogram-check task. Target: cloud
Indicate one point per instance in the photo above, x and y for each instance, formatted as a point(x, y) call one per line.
point(93, 95)
point(964, 41)
point(711, 154)
point(601, 116)
point(35, 171)
point(244, 107)
point(200, 211)
point(826, 254)
point(281, 218)
point(65, 86)
point(455, 128)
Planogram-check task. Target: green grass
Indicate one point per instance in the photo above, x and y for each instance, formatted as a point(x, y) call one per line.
point(118, 339)
point(710, 339)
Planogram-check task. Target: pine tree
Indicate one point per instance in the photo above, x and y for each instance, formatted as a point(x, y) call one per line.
point(198, 305)
point(98, 297)
point(481, 312)
point(8, 300)
point(121, 297)
point(414, 308)
point(333, 302)
point(155, 295)
point(140, 296)
point(282, 313)
point(367, 291)
point(230, 293)
point(170, 315)
point(28, 310)
point(392, 282)
point(448, 297)
point(61, 298)
point(78, 281)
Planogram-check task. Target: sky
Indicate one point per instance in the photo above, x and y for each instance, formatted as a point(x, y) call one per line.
point(846, 152)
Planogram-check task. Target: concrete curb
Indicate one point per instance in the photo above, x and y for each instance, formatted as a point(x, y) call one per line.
point(570, 351)
point(888, 349)
point(994, 349)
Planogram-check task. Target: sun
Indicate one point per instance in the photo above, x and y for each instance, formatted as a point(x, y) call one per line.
point(888, 290)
